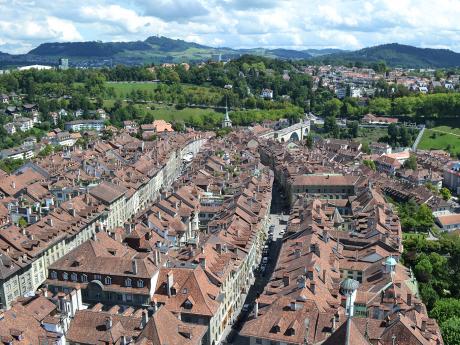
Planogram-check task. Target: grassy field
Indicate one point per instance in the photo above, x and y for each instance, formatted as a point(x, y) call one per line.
point(441, 137)
point(368, 135)
point(172, 114)
point(161, 110)
point(123, 89)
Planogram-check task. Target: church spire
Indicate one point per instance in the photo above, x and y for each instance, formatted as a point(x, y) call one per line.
point(226, 122)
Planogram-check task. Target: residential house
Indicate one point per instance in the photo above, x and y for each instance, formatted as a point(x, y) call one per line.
point(449, 222)
point(84, 125)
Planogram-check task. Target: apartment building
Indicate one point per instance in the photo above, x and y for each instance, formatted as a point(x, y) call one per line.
point(84, 125)
point(107, 271)
point(306, 299)
point(327, 186)
point(27, 253)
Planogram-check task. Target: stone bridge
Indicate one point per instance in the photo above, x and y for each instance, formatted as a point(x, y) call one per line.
point(296, 132)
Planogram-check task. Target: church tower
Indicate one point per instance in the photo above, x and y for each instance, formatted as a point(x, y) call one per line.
point(226, 122)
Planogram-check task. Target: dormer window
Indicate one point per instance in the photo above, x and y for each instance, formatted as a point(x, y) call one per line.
point(140, 283)
point(97, 277)
point(128, 282)
point(53, 275)
point(275, 329)
point(188, 304)
point(108, 280)
point(65, 276)
point(290, 331)
point(84, 278)
point(74, 277)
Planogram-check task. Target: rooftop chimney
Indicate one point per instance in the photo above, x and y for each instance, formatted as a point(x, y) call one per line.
point(134, 266)
point(145, 319)
point(409, 299)
point(312, 286)
point(286, 280)
point(203, 263)
point(256, 308)
point(169, 283)
point(157, 258)
point(108, 323)
point(49, 221)
point(294, 306)
point(301, 282)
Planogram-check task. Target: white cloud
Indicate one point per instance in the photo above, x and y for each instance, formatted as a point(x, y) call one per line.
point(347, 24)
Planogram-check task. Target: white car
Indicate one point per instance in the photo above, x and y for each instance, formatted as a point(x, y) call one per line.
point(264, 260)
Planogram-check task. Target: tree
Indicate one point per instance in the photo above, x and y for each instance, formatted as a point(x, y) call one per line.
point(424, 217)
point(445, 308)
point(445, 193)
point(370, 163)
point(178, 126)
point(365, 148)
point(332, 107)
point(330, 126)
point(450, 331)
point(429, 295)
point(22, 223)
point(353, 128)
point(46, 151)
point(423, 270)
point(380, 106)
point(309, 141)
point(411, 163)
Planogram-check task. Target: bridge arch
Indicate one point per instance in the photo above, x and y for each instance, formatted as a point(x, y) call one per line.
point(294, 136)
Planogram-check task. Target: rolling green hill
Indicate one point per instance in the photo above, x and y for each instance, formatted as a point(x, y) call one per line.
point(162, 49)
point(398, 55)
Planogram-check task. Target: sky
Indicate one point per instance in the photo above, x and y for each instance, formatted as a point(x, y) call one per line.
point(296, 24)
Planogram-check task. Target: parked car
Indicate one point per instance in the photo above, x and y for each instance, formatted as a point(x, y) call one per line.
point(264, 259)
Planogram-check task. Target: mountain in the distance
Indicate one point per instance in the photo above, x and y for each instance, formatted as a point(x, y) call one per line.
point(158, 49)
point(399, 55)
point(153, 49)
point(322, 52)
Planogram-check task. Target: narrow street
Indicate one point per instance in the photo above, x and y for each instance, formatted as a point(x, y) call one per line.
point(278, 223)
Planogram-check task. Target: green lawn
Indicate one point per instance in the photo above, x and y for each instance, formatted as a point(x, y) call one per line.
point(124, 88)
point(366, 135)
point(370, 135)
point(168, 113)
point(441, 137)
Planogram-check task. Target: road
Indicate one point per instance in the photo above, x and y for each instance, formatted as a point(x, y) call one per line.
point(417, 140)
point(231, 335)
